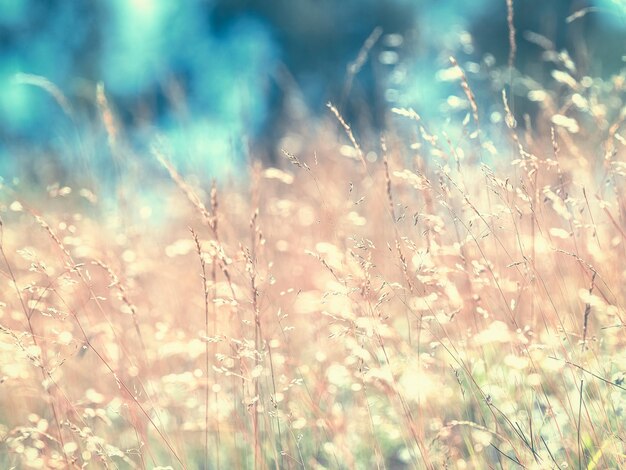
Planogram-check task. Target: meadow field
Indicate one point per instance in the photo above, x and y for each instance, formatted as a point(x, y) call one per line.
point(451, 296)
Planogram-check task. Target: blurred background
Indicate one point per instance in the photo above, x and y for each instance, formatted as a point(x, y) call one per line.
point(224, 81)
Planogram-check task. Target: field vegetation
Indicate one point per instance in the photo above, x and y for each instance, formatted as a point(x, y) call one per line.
point(452, 297)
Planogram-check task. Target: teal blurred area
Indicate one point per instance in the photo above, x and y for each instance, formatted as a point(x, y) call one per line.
point(162, 67)
point(221, 79)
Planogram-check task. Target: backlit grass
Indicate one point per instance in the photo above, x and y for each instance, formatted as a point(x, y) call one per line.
point(453, 297)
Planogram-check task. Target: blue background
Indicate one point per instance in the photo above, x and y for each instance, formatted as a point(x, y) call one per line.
point(218, 78)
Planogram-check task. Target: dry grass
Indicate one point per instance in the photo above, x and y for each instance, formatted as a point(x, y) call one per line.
point(417, 311)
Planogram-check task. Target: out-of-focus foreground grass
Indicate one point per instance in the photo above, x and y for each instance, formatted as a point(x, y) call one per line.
point(449, 303)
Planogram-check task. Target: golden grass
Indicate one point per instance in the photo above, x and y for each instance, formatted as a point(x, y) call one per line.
point(414, 311)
